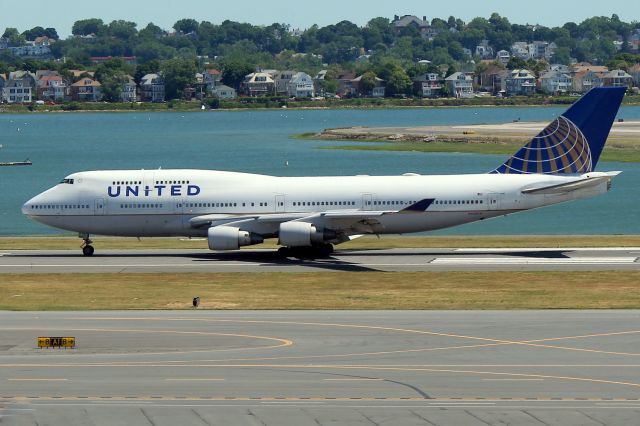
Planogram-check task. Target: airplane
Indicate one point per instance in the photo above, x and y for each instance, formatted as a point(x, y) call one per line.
point(233, 209)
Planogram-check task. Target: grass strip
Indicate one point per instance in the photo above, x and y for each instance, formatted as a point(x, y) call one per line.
point(323, 290)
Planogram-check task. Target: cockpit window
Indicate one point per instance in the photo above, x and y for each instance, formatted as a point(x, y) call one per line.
point(69, 181)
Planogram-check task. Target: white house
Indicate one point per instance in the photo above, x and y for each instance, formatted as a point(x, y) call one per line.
point(460, 85)
point(17, 91)
point(618, 78)
point(503, 57)
point(152, 88)
point(555, 82)
point(222, 91)
point(259, 84)
point(301, 86)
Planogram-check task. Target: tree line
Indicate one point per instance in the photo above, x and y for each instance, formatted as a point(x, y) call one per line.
point(239, 48)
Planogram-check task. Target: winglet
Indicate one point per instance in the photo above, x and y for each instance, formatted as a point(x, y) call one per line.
point(418, 207)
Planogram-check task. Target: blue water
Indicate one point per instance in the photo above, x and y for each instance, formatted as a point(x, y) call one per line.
point(258, 142)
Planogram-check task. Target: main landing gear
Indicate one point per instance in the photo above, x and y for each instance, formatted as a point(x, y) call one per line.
point(87, 248)
point(320, 250)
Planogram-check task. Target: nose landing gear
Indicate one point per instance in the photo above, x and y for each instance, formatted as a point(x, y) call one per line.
point(87, 248)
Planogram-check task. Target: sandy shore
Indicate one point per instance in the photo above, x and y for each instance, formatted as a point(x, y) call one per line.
point(627, 132)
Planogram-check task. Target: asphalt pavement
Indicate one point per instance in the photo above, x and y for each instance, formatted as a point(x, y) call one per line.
point(322, 368)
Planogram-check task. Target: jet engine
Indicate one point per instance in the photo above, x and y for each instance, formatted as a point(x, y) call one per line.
point(231, 238)
point(303, 234)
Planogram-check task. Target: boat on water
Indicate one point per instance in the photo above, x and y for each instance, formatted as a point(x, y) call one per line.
point(17, 163)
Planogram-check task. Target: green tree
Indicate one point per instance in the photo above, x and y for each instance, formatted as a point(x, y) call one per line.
point(122, 29)
point(186, 26)
point(398, 82)
point(367, 83)
point(178, 73)
point(89, 26)
point(234, 71)
point(14, 37)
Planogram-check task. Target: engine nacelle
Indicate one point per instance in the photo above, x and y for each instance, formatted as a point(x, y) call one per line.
point(302, 234)
point(230, 238)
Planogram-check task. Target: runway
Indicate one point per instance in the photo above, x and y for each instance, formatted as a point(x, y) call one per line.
point(526, 259)
point(322, 367)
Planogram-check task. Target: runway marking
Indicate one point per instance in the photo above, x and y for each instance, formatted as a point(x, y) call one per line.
point(202, 379)
point(355, 367)
point(355, 379)
point(533, 261)
point(283, 342)
point(36, 380)
point(494, 342)
point(613, 402)
point(513, 380)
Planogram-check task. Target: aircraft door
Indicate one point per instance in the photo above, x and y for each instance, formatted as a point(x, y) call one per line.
point(99, 207)
point(280, 204)
point(367, 201)
point(149, 184)
point(494, 200)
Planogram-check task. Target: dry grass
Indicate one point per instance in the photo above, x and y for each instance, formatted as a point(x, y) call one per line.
point(367, 242)
point(324, 290)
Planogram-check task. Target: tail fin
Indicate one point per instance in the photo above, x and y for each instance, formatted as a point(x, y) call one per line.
point(573, 142)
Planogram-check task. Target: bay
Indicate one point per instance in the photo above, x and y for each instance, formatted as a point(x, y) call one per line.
point(259, 142)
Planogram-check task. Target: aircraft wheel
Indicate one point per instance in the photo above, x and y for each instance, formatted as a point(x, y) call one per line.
point(88, 250)
point(326, 249)
point(284, 252)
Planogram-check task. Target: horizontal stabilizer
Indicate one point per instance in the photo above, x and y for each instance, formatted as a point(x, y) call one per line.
point(564, 188)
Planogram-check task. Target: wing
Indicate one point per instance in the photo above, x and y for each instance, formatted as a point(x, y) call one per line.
point(346, 223)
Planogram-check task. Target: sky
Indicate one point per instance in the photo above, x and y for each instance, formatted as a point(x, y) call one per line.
point(61, 14)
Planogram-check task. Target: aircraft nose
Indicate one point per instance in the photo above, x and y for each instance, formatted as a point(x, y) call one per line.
point(27, 207)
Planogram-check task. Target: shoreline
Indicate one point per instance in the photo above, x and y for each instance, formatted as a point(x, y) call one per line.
point(268, 104)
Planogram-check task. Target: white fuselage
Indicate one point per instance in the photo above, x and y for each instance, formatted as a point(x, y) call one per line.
point(164, 202)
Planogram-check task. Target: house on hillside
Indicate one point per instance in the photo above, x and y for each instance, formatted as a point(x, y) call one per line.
point(617, 78)
point(484, 50)
point(486, 79)
point(634, 72)
point(24, 75)
point(460, 85)
point(520, 82)
point(282, 79)
point(376, 92)
point(554, 82)
point(128, 93)
point(17, 91)
point(428, 85)
point(222, 91)
point(86, 90)
point(585, 80)
point(503, 57)
point(211, 78)
point(421, 25)
point(520, 49)
point(345, 84)
point(301, 86)
point(51, 88)
point(152, 88)
point(258, 84)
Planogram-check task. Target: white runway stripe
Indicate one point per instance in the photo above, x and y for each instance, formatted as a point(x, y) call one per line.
point(533, 261)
